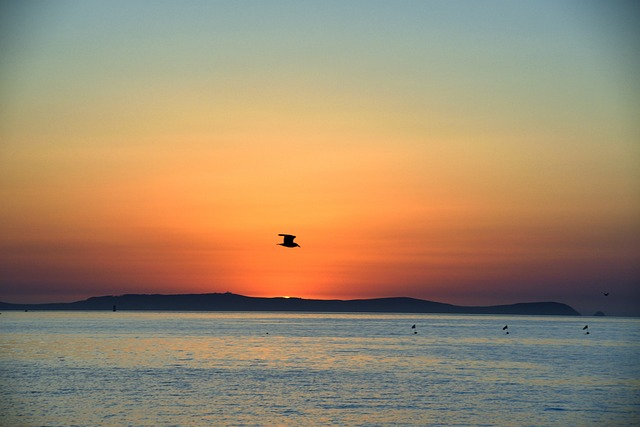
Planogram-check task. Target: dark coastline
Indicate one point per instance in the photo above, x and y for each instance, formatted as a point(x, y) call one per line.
point(234, 302)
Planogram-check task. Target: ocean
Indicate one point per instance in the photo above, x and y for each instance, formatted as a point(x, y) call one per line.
point(305, 369)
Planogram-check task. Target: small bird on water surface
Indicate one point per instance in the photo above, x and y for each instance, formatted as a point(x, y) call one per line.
point(288, 241)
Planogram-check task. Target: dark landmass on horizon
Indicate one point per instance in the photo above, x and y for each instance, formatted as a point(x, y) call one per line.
point(233, 302)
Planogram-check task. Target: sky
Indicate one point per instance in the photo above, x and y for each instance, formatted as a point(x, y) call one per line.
point(466, 152)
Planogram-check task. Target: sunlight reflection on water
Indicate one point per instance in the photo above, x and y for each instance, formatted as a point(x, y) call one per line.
point(198, 369)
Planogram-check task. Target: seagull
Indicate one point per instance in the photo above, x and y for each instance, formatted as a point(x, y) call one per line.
point(288, 241)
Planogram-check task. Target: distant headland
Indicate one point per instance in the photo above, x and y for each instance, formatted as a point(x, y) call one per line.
point(233, 302)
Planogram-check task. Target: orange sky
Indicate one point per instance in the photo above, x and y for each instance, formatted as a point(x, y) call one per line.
point(436, 150)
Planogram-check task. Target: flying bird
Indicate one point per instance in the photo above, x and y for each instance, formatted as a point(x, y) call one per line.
point(288, 241)
point(585, 327)
point(606, 294)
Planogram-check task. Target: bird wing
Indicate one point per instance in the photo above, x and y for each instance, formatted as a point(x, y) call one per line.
point(288, 238)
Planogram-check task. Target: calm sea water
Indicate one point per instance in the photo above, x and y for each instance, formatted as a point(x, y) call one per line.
point(275, 369)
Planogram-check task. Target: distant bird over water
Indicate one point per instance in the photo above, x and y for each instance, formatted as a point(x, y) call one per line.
point(288, 241)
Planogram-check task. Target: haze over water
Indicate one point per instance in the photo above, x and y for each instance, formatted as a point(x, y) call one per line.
point(255, 369)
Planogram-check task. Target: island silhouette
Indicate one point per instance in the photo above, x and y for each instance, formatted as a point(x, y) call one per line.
point(234, 302)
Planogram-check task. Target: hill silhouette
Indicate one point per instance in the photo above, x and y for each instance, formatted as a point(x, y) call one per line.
point(233, 302)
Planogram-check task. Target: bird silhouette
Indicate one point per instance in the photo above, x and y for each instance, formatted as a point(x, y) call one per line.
point(606, 294)
point(288, 241)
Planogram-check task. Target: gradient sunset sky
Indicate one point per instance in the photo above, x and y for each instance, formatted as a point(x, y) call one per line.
point(469, 152)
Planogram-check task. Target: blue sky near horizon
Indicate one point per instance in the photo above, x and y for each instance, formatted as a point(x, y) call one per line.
point(459, 151)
